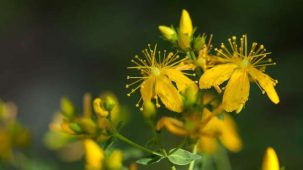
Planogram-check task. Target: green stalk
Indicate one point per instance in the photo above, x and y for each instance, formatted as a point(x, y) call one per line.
point(128, 141)
point(192, 164)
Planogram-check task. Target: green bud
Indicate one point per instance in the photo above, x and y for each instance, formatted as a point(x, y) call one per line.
point(109, 103)
point(190, 96)
point(75, 127)
point(87, 125)
point(67, 107)
point(199, 42)
point(168, 33)
point(149, 109)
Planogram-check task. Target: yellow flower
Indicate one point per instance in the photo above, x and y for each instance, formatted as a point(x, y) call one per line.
point(94, 155)
point(206, 130)
point(185, 30)
point(239, 66)
point(159, 73)
point(224, 129)
point(270, 160)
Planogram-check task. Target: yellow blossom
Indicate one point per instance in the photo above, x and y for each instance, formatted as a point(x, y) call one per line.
point(94, 155)
point(185, 30)
point(206, 130)
point(159, 73)
point(239, 66)
point(270, 160)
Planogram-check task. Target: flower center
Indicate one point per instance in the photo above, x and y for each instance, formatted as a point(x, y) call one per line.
point(244, 63)
point(155, 71)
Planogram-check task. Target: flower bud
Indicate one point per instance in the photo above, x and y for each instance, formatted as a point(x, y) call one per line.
point(185, 30)
point(114, 162)
point(87, 125)
point(199, 43)
point(67, 107)
point(94, 155)
point(149, 109)
point(109, 102)
point(99, 109)
point(270, 160)
point(186, 26)
point(190, 95)
point(168, 33)
point(75, 127)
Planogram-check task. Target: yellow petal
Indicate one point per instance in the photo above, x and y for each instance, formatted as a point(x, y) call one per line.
point(237, 91)
point(229, 135)
point(216, 75)
point(179, 78)
point(270, 160)
point(114, 162)
point(172, 125)
point(94, 155)
point(207, 145)
point(147, 89)
point(224, 129)
point(168, 94)
point(186, 26)
point(266, 82)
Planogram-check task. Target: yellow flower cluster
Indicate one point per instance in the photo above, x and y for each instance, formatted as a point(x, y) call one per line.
point(181, 81)
point(169, 78)
point(76, 135)
point(13, 136)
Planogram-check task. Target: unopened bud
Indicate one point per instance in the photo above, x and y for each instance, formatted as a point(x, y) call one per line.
point(186, 26)
point(87, 125)
point(199, 43)
point(149, 109)
point(114, 162)
point(168, 33)
point(67, 107)
point(109, 103)
point(99, 108)
point(75, 127)
point(190, 95)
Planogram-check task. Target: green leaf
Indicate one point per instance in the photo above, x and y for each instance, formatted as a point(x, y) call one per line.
point(182, 157)
point(149, 160)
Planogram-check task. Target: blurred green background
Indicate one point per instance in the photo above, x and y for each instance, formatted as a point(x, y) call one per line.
point(51, 48)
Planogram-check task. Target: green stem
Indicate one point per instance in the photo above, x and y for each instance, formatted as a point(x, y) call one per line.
point(192, 164)
point(128, 141)
point(173, 168)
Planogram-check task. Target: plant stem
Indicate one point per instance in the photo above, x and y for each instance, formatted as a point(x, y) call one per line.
point(192, 164)
point(128, 141)
point(173, 168)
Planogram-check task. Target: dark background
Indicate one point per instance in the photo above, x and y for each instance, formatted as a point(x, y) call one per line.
point(51, 48)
